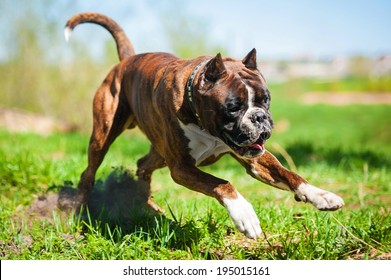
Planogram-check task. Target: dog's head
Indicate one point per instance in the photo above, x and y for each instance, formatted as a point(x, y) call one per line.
point(233, 104)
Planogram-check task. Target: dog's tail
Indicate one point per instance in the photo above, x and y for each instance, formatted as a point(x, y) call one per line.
point(124, 46)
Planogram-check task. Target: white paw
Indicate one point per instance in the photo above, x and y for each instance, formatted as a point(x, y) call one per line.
point(321, 199)
point(243, 216)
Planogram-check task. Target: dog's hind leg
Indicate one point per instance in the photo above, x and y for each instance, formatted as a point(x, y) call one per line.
point(111, 115)
point(145, 167)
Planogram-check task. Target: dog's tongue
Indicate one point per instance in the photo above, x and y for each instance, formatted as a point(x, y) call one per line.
point(257, 146)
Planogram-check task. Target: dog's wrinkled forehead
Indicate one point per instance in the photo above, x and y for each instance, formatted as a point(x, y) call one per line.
point(227, 77)
point(246, 88)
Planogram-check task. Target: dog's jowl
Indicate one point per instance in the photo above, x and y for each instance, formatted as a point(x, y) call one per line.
point(192, 111)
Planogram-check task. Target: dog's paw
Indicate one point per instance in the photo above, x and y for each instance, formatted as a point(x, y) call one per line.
point(321, 199)
point(243, 216)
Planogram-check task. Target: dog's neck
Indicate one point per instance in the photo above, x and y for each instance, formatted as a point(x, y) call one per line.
point(189, 91)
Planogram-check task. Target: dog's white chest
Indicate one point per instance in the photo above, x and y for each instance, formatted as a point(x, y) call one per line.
point(202, 145)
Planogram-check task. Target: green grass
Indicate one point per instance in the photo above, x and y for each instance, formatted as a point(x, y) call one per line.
point(342, 149)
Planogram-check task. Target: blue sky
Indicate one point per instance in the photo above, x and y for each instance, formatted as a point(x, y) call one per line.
point(275, 28)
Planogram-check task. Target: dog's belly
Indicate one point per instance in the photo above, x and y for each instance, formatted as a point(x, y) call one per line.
point(202, 145)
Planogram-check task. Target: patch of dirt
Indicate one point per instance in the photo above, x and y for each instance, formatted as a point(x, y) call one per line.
point(120, 199)
point(373, 255)
point(341, 99)
point(281, 126)
point(17, 120)
point(15, 246)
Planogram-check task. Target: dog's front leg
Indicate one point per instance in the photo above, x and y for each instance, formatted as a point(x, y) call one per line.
point(239, 209)
point(269, 170)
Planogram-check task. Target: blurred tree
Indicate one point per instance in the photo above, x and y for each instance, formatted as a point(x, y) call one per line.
point(360, 66)
point(37, 71)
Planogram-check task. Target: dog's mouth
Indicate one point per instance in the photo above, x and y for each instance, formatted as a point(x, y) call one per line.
point(254, 149)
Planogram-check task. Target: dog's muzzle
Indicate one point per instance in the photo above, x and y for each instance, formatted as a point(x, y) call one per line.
point(247, 148)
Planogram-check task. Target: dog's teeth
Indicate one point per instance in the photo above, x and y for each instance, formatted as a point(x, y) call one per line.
point(67, 33)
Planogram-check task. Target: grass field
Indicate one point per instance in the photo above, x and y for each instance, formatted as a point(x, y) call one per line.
point(346, 150)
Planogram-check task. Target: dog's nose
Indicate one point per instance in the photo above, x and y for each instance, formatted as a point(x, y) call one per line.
point(265, 135)
point(258, 117)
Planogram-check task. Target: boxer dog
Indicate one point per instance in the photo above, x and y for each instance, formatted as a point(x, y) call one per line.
point(193, 111)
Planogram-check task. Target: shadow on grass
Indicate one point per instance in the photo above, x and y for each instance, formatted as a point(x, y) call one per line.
point(118, 207)
point(305, 153)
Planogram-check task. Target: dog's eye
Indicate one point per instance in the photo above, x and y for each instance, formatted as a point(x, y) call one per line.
point(234, 108)
point(265, 100)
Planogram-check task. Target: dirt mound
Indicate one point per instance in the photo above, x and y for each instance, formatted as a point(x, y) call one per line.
point(17, 120)
point(346, 98)
point(120, 199)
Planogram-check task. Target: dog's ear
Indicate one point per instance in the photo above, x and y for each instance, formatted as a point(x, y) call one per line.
point(215, 69)
point(250, 61)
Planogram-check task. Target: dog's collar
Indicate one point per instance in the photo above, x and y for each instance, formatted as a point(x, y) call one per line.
point(189, 90)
